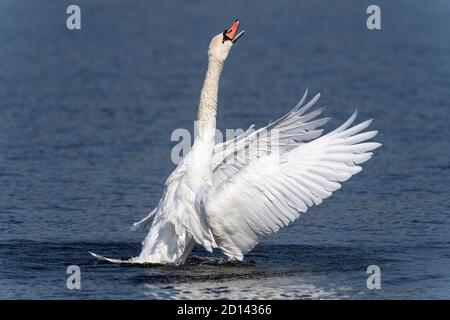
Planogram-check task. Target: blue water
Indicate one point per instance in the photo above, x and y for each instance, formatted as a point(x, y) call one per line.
point(86, 118)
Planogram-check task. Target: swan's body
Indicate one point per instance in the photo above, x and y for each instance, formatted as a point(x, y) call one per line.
point(230, 197)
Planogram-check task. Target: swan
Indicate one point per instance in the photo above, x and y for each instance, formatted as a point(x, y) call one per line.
point(231, 195)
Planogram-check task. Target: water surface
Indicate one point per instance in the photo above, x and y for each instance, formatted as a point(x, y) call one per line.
point(86, 119)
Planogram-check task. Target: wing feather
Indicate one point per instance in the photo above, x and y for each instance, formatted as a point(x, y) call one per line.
point(274, 190)
point(292, 129)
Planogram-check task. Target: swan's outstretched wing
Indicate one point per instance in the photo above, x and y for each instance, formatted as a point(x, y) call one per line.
point(273, 191)
point(289, 131)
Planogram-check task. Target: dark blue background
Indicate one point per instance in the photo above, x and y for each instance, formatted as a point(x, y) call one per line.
point(86, 118)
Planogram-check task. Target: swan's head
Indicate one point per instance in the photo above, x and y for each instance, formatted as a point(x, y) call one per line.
point(221, 44)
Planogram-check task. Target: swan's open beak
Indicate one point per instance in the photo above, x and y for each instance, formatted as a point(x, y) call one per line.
point(230, 34)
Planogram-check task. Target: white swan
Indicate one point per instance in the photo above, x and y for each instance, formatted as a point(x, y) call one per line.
point(230, 198)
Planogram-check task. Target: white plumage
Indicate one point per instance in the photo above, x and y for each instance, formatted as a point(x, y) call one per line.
point(270, 192)
point(230, 195)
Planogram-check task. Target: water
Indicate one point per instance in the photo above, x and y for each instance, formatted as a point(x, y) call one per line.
point(86, 119)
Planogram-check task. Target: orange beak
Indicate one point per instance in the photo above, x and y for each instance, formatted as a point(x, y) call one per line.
point(231, 33)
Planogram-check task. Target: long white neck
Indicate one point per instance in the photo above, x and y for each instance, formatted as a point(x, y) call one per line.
point(206, 118)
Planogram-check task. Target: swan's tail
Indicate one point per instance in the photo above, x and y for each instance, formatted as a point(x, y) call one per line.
point(110, 260)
